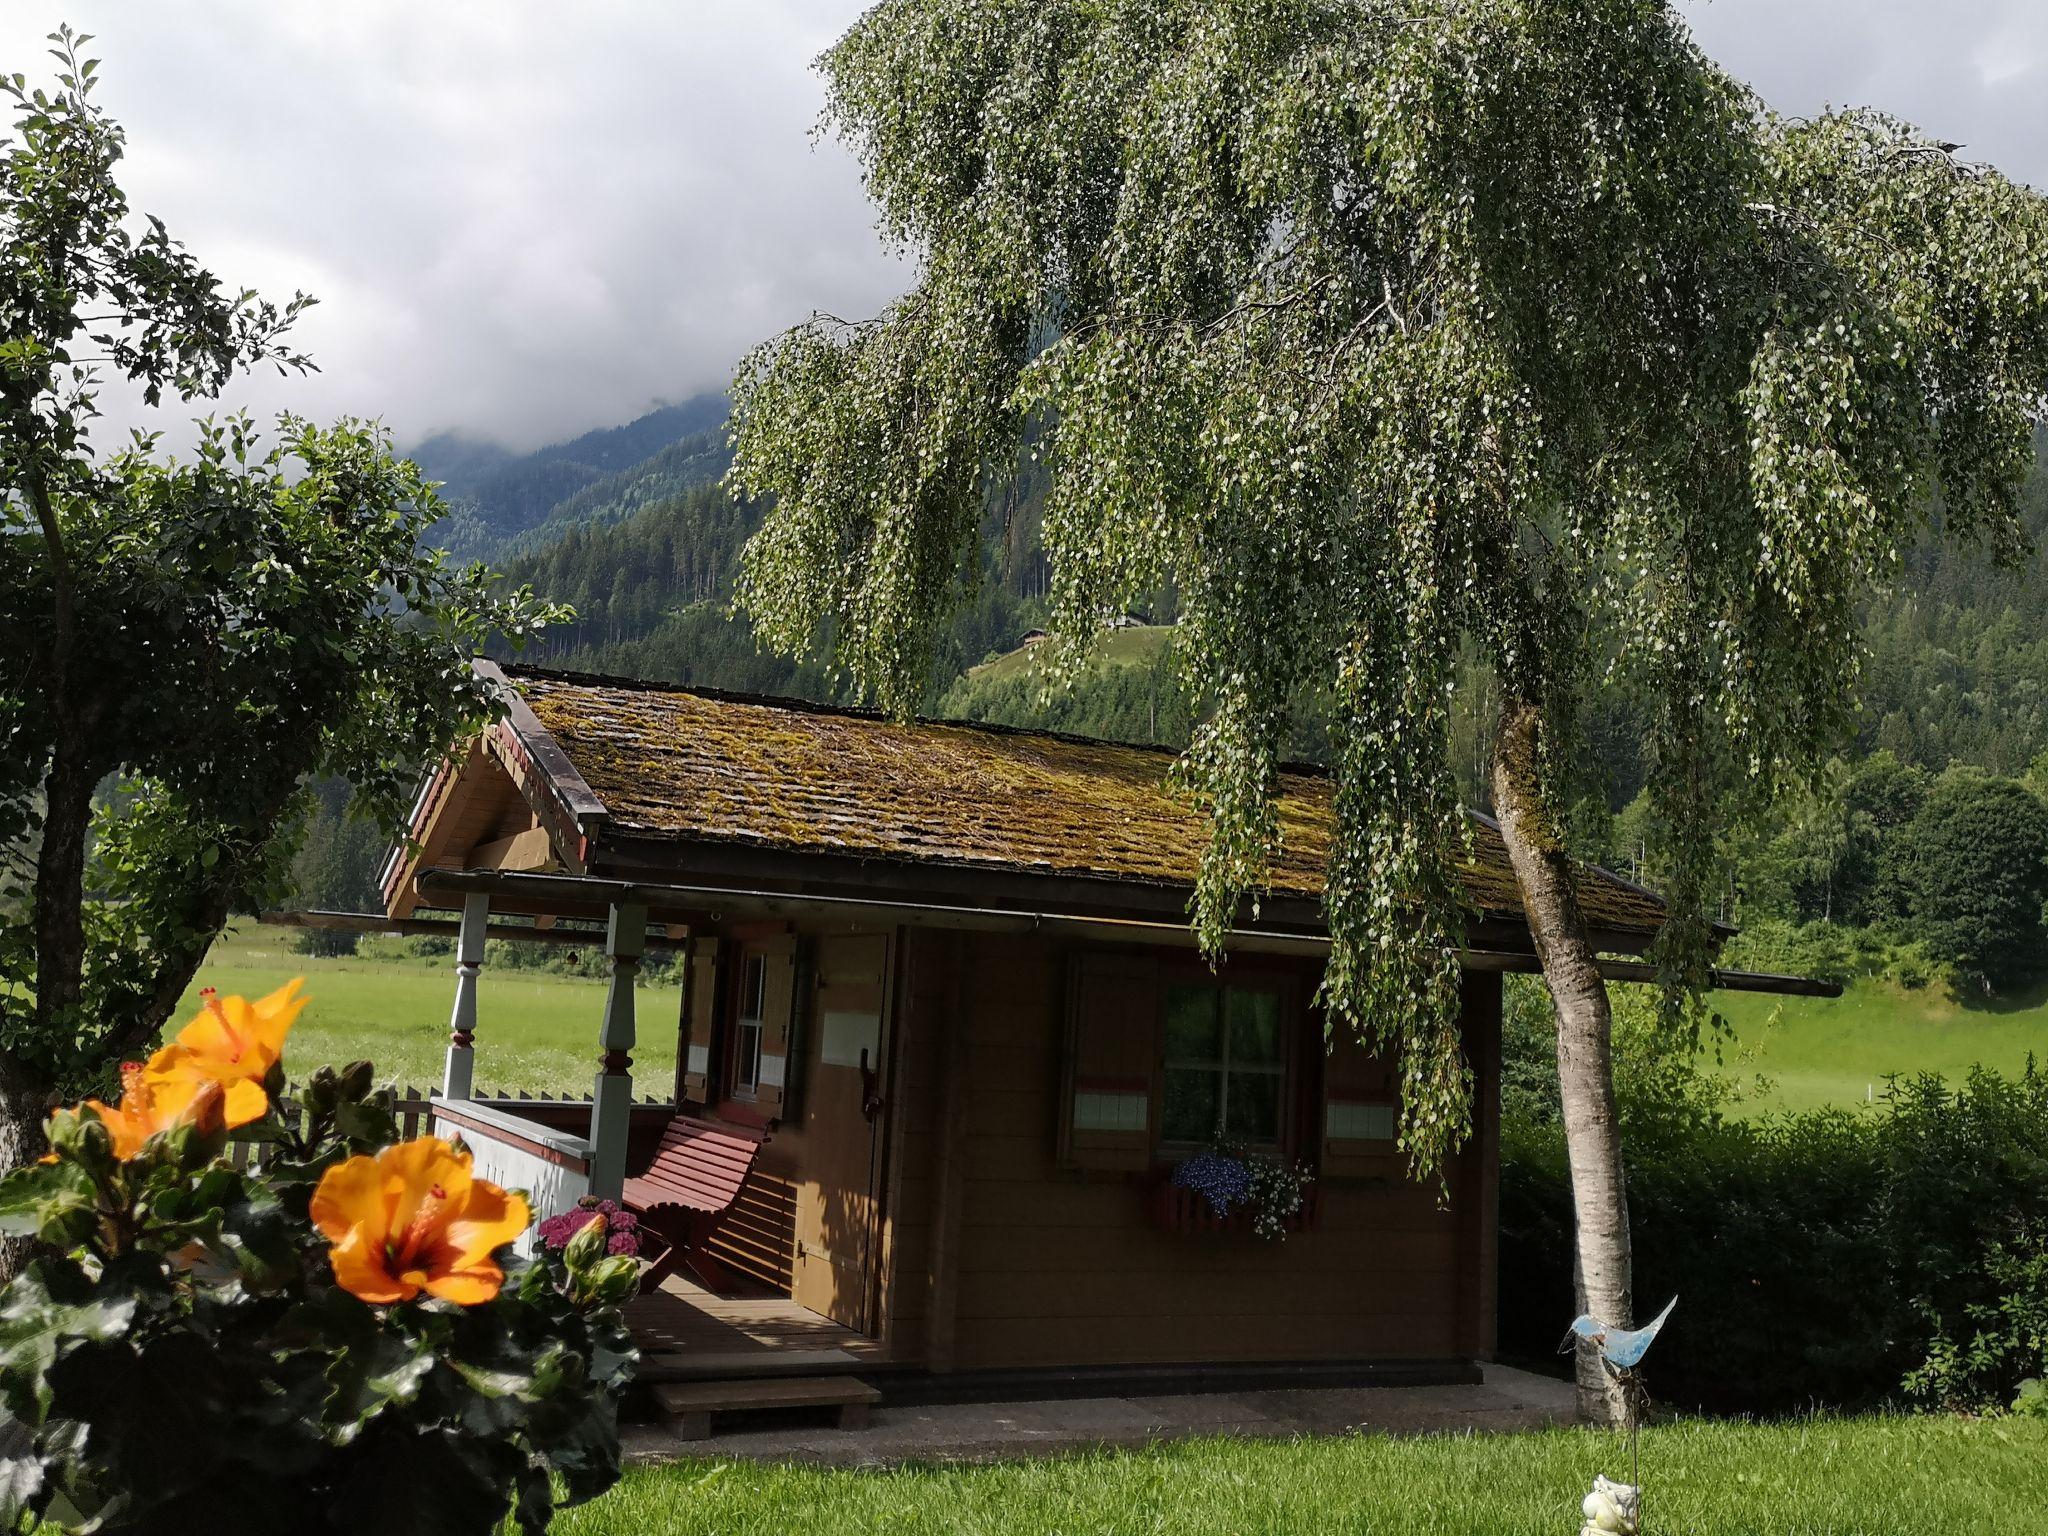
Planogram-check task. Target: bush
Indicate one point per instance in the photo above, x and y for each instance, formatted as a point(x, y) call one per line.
point(329, 942)
point(292, 1350)
point(1832, 1257)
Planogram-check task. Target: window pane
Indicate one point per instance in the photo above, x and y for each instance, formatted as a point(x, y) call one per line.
point(747, 1064)
point(1194, 1026)
point(1191, 1105)
point(753, 994)
point(1254, 1107)
point(1255, 1027)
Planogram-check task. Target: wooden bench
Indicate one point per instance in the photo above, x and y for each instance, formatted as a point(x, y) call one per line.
point(691, 1403)
point(697, 1173)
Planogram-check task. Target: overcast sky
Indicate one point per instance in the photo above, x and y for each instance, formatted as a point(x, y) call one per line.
point(524, 219)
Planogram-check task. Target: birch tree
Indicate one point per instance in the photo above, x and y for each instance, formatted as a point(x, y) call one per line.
point(1382, 328)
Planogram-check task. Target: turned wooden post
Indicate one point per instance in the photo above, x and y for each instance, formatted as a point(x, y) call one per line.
point(611, 1098)
point(460, 1074)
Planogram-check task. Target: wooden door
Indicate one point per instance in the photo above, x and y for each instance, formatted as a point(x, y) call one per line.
point(838, 1210)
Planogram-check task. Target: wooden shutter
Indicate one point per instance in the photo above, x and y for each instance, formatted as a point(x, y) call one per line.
point(700, 1017)
point(1109, 1090)
point(778, 1021)
point(1361, 1110)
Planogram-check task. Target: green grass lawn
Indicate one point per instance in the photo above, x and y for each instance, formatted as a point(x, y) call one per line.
point(1838, 1051)
point(1854, 1477)
point(535, 1030)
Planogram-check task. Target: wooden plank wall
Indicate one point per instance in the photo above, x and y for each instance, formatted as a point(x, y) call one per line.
point(1052, 1268)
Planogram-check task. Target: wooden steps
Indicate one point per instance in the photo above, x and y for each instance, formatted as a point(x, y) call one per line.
point(726, 1365)
point(690, 1404)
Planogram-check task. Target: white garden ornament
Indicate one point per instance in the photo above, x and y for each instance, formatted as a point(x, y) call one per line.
point(1611, 1508)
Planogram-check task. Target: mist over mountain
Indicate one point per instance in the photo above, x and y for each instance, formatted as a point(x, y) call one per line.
point(496, 497)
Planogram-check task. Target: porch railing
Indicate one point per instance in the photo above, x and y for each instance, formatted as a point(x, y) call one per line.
point(413, 1108)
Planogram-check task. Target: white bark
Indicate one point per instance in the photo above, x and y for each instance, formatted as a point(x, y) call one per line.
point(1585, 1054)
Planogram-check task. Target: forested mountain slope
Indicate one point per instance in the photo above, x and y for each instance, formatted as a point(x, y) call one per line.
point(495, 496)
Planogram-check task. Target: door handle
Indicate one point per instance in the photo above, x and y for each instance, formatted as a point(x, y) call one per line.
point(870, 1089)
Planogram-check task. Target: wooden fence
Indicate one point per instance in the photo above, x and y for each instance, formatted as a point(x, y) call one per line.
point(413, 1108)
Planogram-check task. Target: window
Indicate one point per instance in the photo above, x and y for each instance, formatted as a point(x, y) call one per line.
point(746, 1055)
point(1226, 1066)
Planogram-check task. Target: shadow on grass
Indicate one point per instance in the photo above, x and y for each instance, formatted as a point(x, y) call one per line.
point(2020, 997)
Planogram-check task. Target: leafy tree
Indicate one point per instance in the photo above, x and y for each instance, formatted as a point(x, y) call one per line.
point(1378, 328)
point(1974, 863)
point(182, 643)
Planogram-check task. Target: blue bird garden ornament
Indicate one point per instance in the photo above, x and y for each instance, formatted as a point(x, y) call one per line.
point(1622, 1348)
point(1615, 1509)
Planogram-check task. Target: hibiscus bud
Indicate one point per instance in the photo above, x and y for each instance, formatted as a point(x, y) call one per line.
point(357, 1078)
point(318, 1096)
point(79, 1138)
point(587, 1246)
point(613, 1281)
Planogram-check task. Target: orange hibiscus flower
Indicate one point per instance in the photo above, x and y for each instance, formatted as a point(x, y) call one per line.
point(235, 1043)
point(412, 1219)
point(150, 1104)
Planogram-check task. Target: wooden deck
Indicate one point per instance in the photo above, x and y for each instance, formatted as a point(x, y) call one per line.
point(686, 1333)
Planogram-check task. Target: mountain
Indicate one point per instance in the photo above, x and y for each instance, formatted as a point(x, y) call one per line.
point(499, 500)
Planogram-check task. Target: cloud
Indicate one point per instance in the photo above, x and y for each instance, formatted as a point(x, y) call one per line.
point(522, 220)
point(527, 219)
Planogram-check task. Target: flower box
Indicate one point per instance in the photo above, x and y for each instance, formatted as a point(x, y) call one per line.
point(1173, 1208)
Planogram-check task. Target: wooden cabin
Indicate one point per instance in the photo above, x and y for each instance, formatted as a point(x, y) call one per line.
point(945, 969)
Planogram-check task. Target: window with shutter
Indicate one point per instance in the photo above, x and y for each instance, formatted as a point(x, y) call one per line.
point(768, 1005)
point(700, 1017)
point(1111, 1062)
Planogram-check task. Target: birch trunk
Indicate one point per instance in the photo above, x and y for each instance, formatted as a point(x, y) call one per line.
point(1585, 1053)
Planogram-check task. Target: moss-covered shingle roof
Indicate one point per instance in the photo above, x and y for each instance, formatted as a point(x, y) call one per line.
point(678, 763)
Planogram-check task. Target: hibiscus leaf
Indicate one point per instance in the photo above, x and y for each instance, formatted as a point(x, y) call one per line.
point(384, 1369)
point(44, 1196)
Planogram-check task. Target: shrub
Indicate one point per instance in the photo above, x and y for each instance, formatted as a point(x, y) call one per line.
point(290, 1351)
point(1832, 1257)
point(330, 942)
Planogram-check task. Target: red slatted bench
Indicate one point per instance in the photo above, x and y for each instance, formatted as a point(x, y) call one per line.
point(686, 1191)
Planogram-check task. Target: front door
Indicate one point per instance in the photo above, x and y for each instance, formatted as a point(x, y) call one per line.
point(837, 1205)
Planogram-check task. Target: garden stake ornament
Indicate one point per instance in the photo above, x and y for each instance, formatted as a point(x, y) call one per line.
point(1616, 1509)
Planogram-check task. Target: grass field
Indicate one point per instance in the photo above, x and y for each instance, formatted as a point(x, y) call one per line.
point(1849, 1477)
point(534, 1030)
point(1820, 1051)
point(1113, 647)
point(538, 1031)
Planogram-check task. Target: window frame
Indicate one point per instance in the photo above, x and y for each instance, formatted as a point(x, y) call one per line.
point(750, 987)
point(1282, 987)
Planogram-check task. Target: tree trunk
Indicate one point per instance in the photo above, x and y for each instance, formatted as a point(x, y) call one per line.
point(25, 1102)
point(1585, 1055)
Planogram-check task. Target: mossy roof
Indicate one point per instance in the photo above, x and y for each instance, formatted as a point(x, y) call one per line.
point(680, 763)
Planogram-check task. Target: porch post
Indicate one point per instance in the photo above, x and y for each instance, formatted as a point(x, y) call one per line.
point(460, 1073)
point(611, 1098)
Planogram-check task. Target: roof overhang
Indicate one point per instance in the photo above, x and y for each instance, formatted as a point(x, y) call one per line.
point(1489, 947)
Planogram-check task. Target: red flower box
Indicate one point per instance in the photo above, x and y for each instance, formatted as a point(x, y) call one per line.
point(1174, 1208)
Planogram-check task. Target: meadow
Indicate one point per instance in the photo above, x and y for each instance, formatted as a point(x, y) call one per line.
point(535, 1030)
point(538, 1031)
point(1873, 1476)
point(1814, 1051)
